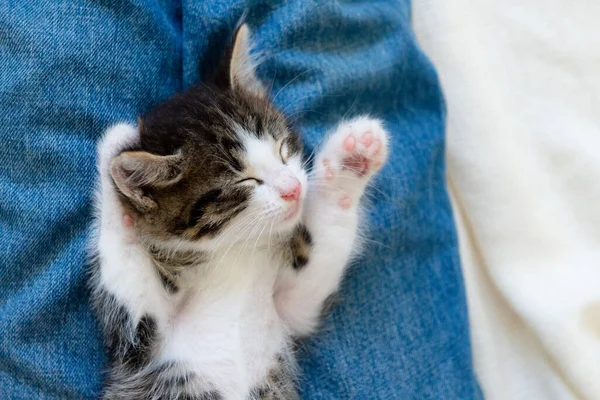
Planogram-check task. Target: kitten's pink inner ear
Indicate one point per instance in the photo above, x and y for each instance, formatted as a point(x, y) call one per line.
point(133, 171)
point(127, 221)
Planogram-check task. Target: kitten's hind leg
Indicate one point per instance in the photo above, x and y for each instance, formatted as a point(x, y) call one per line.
point(343, 168)
point(127, 293)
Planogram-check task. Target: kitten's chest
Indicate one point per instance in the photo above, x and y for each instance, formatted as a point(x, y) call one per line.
point(229, 330)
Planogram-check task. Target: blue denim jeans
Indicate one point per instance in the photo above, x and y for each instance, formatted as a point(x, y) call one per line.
point(71, 68)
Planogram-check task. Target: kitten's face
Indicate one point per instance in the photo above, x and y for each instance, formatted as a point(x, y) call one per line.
point(215, 164)
point(242, 170)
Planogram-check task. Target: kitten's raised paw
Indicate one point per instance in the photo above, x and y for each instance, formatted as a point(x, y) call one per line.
point(351, 156)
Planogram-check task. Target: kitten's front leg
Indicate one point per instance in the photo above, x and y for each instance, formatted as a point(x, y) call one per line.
point(126, 290)
point(350, 157)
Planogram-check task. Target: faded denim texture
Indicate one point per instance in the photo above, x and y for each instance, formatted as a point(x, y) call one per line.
point(71, 68)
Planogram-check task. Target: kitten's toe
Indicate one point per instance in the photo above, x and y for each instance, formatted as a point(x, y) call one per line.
point(349, 143)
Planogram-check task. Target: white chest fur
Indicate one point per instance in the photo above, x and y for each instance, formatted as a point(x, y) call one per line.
point(226, 328)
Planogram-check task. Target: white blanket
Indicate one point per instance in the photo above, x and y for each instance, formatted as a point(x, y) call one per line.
point(522, 84)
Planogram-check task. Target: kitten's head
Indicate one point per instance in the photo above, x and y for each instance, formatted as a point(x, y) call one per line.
point(216, 160)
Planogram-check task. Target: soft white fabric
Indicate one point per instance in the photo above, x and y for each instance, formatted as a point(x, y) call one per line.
point(522, 84)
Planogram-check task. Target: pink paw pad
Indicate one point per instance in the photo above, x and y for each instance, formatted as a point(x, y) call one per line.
point(349, 143)
point(345, 202)
point(376, 147)
point(367, 139)
point(357, 164)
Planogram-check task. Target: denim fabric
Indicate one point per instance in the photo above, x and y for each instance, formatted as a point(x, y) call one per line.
point(71, 68)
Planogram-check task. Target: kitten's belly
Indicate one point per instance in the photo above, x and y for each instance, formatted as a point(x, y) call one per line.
point(230, 340)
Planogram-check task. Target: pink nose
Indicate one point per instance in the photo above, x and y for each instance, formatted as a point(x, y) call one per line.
point(293, 192)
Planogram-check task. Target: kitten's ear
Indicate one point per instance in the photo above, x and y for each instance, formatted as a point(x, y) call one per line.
point(238, 67)
point(134, 172)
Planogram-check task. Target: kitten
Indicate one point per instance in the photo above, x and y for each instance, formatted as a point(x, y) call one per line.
point(215, 248)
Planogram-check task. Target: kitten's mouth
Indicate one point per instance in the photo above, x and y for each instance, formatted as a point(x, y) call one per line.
point(292, 212)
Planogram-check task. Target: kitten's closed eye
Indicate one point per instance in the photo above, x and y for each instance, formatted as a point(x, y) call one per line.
point(251, 180)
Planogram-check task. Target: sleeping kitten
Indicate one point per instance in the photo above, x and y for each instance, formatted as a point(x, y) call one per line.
point(215, 248)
